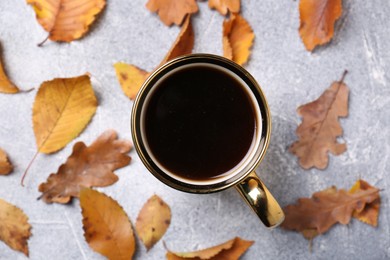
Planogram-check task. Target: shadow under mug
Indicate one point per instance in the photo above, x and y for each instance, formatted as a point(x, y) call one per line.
point(244, 178)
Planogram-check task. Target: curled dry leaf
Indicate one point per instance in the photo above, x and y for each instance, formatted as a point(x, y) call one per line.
point(131, 77)
point(230, 250)
point(107, 227)
point(317, 21)
point(90, 166)
point(315, 215)
point(6, 86)
point(66, 20)
point(237, 39)
point(5, 166)
point(320, 127)
point(225, 6)
point(153, 221)
point(172, 11)
point(14, 227)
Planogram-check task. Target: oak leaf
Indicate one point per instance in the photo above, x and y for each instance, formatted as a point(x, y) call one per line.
point(153, 221)
point(317, 18)
point(172, 11)
point(223, 6)
point(237, 39)
point(5, 166)
point(14, 227)
point(131, 77)
point(370, 212)
point(320, 127)
point(6, 86)
point(107, 227)
point(87, 166)
point(315, 215)
point(230, 250)
point(66, 20)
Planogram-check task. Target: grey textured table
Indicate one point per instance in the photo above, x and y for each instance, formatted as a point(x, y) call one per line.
point(289, 75)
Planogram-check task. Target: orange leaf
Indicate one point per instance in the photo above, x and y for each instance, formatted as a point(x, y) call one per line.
point(317, 21)
point(172, 11)
point(223, 6)
point(90, 166)
point(6, 86)
point(230, 250)
point(153, 221)
point(370, 213)
point(131, 77)
point(14, 227)
point(320, 127)
point(237, 39)
point(107, 227)
point(325, 208)
point(5, 166)
point(66, 20)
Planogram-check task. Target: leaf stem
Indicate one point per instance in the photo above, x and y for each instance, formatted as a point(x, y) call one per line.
point(343, 76)
point(43, 42)
point(28, 167)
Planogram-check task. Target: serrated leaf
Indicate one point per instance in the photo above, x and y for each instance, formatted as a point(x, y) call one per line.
point(225, 6)
point(5, 166)
point(6, 86)
point(172, 11)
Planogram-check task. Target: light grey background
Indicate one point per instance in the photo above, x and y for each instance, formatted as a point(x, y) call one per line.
point(289, 75)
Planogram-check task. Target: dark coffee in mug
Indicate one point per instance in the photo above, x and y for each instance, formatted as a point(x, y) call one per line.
point(200, 122)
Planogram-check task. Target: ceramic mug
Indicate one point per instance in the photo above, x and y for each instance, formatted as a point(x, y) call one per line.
point(243, 178)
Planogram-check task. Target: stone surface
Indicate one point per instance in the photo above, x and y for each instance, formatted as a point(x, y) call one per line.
point(289, 76)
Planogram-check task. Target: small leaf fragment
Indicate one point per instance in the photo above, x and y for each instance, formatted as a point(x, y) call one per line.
point(107, 228)
point(6, 86)
point(230, 250)
point(153, 221)
point(172, 11)
point(237, 39)
point(320, 127)
point(5, 166)
point(225, 6)
point(317, 19)
point(87, 166)
point(14, 227)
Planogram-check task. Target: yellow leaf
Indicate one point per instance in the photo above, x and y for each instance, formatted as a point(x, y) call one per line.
point(130, 78)
point(223, 6)
point(14, 227)
point(172, 11)
point(230, 250)
point(66, 20)
point(5, 165)
point(237, 39)
point(6, 86)
point(62, 109)
point(153, 221)
point(107, 228)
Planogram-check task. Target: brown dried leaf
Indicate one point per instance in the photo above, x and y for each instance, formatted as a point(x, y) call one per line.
point(223, 6)
point(237, 39)
point(5, 166)
point(107, 227)
point(230, 250)
point(90, 166)
point(6, 86)
point(315, 215)
point(14, 227)
point(320, 127)
point(172, 11)
point(370, 213)
point(131, 77)
point(153, 221)
point(317, 21)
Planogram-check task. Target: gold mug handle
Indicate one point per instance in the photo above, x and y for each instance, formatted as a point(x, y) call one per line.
point(258, 197)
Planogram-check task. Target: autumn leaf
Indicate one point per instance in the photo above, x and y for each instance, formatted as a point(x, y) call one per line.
point(6, 86)
point(172, 11)
point(369, 214)
point(320, 128)
point(315, 215)
point(14, 227)
point(230, 250)
point(153, 221)
point(66, 20)
point(5, 166)
point(107, 227)
point(90, 166)
point(237, 39)
point(131, 77)
point(317, 21)
point(223, 6)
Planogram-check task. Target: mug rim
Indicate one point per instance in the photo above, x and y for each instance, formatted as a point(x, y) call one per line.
point(234, 68)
